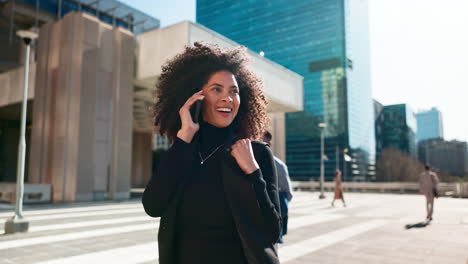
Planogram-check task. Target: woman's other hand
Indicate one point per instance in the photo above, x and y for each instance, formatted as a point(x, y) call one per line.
point(188, 128)
point(243, 153)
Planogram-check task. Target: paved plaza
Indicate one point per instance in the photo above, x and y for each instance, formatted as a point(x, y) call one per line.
point(373, 228)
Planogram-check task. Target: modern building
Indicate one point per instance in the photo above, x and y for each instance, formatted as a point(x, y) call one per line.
point(379, 129)
point(430, 124)
point(90, 132)
point(397, 125)
point(327, 42)
point(447, 156)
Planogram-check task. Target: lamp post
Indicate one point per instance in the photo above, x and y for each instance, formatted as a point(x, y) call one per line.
point(322, 165)
point(18, 223)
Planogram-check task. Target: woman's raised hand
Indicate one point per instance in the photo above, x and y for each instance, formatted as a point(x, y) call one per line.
point(243, 153)
point(188, 128)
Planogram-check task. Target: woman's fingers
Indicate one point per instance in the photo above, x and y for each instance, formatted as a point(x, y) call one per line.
point(184, 111)
point(195, 97)
point(192, 99)
point(242, 152)
point(188, 127)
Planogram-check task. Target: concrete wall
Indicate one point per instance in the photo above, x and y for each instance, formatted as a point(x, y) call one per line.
point(82, 123)
point(278, 130)
point(12, 82)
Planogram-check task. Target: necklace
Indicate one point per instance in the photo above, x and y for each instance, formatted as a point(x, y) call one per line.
point(204, 159)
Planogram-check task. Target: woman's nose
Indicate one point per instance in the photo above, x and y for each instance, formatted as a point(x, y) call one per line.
point(227, 98)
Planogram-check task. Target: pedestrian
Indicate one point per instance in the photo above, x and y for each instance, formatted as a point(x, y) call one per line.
point(284, 187)
point(428, 181)
point(216, 188)
point(338, 195)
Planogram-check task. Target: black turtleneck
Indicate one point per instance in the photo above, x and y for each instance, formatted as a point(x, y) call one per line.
point(206, 229)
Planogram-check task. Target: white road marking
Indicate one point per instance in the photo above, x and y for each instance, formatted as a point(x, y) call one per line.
point(124, 255)
point(76, 235)
point(91, 223)
point(28, 213)
point(301, 221)
point(308, 246)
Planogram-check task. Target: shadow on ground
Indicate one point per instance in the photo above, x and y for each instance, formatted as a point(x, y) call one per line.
point(417, 225)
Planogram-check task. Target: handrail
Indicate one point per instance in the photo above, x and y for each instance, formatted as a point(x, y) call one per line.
point(444, 189)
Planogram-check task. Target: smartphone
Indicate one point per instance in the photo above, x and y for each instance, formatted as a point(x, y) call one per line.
point(195, 110)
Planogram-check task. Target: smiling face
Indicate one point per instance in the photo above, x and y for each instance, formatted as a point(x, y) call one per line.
point(222, 100)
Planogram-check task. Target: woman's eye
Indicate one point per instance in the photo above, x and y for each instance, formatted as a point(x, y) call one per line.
point(234, 91)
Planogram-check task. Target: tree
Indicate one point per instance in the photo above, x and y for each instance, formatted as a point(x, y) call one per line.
point(393, 165)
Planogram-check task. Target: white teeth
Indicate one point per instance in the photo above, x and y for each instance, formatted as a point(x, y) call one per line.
point(228, 110)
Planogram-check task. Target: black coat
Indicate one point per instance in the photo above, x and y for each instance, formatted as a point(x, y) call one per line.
point(253, 200)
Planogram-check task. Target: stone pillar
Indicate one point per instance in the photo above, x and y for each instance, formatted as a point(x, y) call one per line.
point(82, 123)
point(278, 130)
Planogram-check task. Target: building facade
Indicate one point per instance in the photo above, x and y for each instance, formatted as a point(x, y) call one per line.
point(326, 42)
point(430, 124)
point(397, 124)
point(91, 84)
point(80, 98)
point(379, 122)
point(448, 156)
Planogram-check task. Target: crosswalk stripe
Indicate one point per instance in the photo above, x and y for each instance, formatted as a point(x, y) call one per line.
point(124, 255)
point(310, 210)
point(304, 203)
point(83, 214)
point(90, 223)
point(76, 235)
point(28, 213)
point(79, 224)
point(301, 221)
point(308, 246)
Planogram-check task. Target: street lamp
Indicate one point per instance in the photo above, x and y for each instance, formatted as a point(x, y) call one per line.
point(322, 165)
point(18, 223)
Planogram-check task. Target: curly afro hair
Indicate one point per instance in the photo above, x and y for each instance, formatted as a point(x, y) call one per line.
point(186, 74)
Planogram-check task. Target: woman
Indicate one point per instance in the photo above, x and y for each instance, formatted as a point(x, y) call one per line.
point(215, 190)
point(338, 189)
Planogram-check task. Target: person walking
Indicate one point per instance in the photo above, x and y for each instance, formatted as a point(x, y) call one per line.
point(216, 188)
point(284, 187)
point(338, 195)
point(428, 182)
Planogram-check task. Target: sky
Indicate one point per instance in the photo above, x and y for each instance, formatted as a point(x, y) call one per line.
point(419, 53)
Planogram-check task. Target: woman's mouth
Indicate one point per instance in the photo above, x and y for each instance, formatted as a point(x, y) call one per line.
point(224, 110)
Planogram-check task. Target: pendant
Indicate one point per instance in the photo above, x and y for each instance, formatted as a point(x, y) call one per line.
point(201, 162)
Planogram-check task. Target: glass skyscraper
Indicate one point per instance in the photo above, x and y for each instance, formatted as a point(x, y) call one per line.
point(399, 129)
point(429, 124)
point(325, 41)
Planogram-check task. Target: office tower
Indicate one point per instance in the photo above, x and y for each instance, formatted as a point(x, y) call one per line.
point(429, 124)
point(327, 42)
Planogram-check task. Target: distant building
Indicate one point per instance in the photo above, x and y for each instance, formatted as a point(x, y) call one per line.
point(448, 156)
point(379, 117)
point(429, 124)
point(397, 129)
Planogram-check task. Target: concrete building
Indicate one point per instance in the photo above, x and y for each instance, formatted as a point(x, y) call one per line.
point(90, 135)
point(430, 124)
point(448, 156)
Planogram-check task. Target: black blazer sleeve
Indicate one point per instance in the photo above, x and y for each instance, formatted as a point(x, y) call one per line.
point(265, 184)
point(174, 166)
